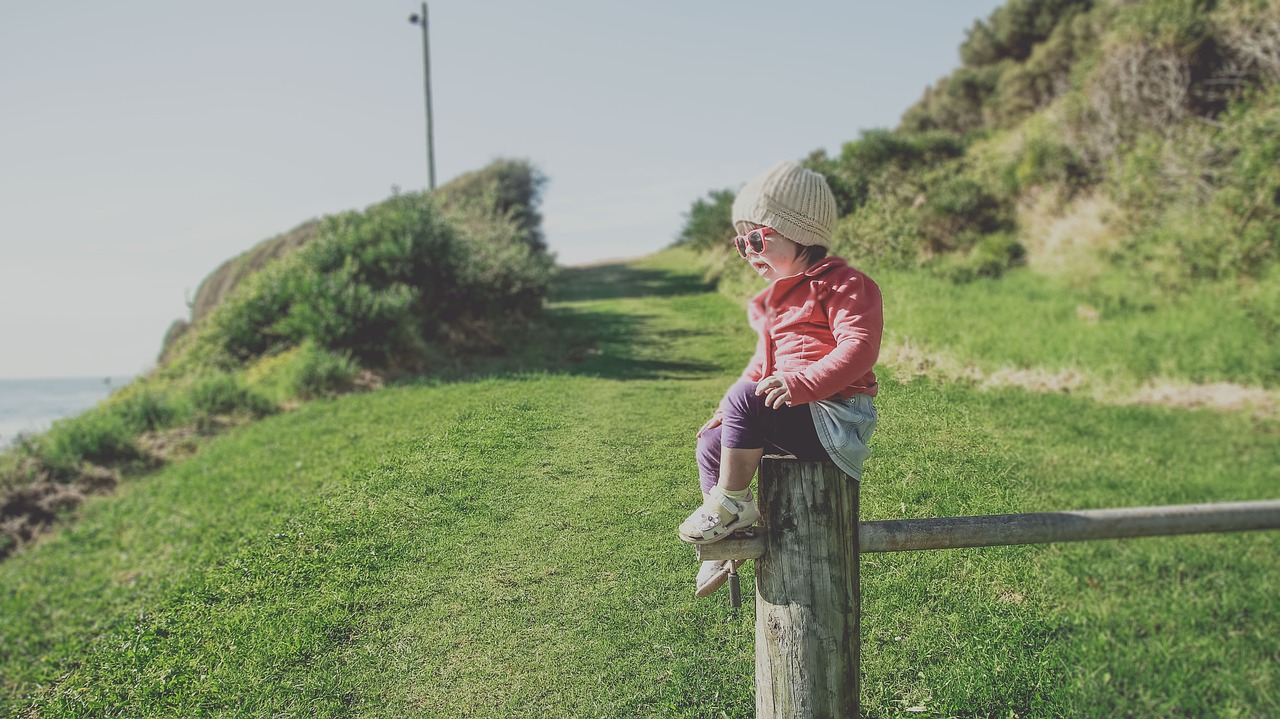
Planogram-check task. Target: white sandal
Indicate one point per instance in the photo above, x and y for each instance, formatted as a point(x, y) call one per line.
point(713, 574)
point(718, 517)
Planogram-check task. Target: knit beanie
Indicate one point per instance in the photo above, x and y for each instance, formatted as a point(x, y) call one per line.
point(790, 199)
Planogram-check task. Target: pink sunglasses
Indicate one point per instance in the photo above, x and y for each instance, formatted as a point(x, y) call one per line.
point(753, 241)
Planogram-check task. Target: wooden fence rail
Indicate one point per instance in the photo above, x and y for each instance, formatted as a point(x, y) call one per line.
point(807, 548)
point(998, 530)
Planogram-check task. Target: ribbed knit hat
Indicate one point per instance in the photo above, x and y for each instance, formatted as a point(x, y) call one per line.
point(790, 199)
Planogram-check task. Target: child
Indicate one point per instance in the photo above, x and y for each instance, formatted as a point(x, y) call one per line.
point(807, 391)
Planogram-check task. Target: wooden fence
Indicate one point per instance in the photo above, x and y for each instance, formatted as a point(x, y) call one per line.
point(807, 549)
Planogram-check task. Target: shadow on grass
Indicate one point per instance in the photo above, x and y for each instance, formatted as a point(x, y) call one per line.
point(574, 337)
point(617, 346)
point(618, 280)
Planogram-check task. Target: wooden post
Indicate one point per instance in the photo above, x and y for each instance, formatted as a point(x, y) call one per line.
point(807, 592)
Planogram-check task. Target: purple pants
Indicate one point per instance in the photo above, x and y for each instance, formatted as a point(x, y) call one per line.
point(750, 424)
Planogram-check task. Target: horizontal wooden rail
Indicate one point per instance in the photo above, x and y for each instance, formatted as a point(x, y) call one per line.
point(904, 535)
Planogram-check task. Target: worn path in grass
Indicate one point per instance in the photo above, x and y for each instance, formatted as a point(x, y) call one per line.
point(501, 544)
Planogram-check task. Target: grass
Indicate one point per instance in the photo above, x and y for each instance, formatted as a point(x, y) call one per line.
point(500, 543)
point(1124, 338)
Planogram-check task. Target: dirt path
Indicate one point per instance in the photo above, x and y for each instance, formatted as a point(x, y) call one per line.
point(909, 361)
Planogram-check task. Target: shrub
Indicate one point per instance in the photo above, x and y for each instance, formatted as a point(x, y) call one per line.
point(989, 256)
point(879, 234)
point(1163, 63)
point(1047, 73)
point(958, 210)
point(319, 373)
point(1044, 161)
point(708, 224)
point(1261, 303)
point(393, 285)
point(957, 103)
point(507, 189)
point(884, 161)
point(226, 394)
point(1249, 33)
point(345, 308)
point(145, 410)
point(98, 436)
point(1204, 203)
point(1013, 29)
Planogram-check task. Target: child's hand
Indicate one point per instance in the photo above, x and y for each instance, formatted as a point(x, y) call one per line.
point(774, 390)
point(712, 423)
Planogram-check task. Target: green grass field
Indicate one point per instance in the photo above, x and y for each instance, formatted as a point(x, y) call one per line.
point(1025, 319)
point(501, 543)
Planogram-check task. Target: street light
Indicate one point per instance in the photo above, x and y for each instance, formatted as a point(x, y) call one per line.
point(426, 73)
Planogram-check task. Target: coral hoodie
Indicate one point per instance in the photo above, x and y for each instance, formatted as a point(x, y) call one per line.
point(819, 331)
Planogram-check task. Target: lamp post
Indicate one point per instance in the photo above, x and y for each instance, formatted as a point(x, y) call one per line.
point(426, 74)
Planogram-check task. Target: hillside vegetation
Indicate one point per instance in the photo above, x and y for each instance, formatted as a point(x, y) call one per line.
point(406, 286)
point(1129, 151)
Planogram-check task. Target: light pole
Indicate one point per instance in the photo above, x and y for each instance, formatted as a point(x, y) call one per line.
point(426, 74)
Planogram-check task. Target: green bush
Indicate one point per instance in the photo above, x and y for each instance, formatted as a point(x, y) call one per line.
point(505, 189)
point(146, 410)
point(1261, 303)
point(989, 256)
point(1016, 61)
point(384, 286)
point(226, 394)
point(318, 373)
point(1044, 161)
point(1203, 204)
point(709, 223)
point(884, 161)
point(958, 103)
point(1013, 29)
point(1179, 24)
point(1046, 75)
point(98, 436)
point(346, 307)
point(957, 210)
point(879, 234)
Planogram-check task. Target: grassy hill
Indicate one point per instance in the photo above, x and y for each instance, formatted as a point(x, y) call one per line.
point(501, 543)
point(1076, 233)
point(409, 286)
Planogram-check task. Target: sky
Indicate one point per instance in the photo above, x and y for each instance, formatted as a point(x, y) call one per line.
point(145, 142)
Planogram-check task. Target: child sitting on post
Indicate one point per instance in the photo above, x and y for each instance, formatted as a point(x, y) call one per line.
point(808, 389)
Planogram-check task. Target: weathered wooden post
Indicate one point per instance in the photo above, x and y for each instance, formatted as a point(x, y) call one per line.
point(807, 592)
point(806, 589)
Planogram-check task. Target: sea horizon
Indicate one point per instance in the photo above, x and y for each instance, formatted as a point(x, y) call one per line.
point(31, 405)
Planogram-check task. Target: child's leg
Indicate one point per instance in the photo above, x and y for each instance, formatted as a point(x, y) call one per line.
point(751, 427)
point(737, 467)
point(748, 429)
point(709, 459)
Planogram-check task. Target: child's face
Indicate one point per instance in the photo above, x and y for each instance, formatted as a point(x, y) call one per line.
point(778, 258)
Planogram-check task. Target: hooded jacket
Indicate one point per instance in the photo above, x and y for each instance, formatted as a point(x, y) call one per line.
point(819, 331)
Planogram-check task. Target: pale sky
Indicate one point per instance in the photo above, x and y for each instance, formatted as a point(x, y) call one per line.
point(144, 142)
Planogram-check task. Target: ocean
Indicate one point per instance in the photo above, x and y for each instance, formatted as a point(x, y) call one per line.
point(32, 405)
